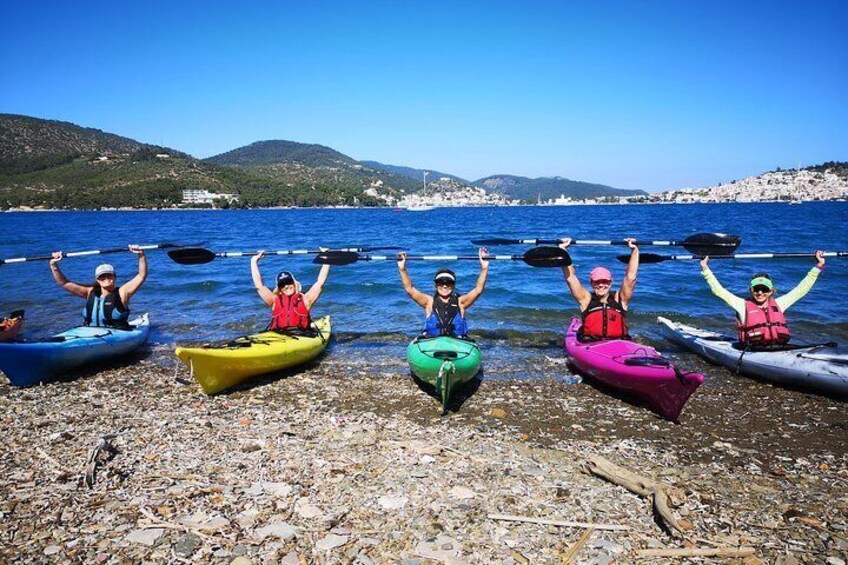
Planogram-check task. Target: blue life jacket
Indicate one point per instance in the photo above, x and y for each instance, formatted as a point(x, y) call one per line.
point(446, 318)
point(105, 309)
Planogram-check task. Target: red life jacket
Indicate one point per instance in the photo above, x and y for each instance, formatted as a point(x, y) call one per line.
point(289, 312)
point(604, 321)
point(763, 326)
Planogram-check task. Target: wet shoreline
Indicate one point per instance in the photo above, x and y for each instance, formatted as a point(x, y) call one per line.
point(344, 463)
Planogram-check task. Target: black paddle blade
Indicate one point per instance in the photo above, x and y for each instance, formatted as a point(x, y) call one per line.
point(336, 258)
point(191, 255)
point(494, 241)
point(547, 257)
point(644, 258)
point(712, 243)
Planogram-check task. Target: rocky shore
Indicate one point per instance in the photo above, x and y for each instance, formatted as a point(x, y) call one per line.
point(129, 464)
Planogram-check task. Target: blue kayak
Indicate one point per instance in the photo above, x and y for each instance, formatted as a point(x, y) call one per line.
point(31, 362)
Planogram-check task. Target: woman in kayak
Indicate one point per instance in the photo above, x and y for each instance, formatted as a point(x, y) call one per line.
point(106, 304)
point(760, 319)
point(289, 306)
point(445, 309)
point(604, 313)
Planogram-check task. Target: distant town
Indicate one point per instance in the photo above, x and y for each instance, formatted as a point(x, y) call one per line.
point(779, 186)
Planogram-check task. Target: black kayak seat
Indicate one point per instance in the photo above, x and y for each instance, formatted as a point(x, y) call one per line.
point(647, 362)
point(445, 354)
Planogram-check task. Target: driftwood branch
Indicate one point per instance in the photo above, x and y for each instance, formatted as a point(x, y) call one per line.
point(697, 552)
point(575, 547)
point(662, 496)
point(102, 446)
point(548, 522)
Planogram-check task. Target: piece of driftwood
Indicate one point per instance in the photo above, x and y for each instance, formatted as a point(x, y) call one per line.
point(575, 547)
point(697, 552)
point(549, 522)
point(663, 496)
point(102, 446)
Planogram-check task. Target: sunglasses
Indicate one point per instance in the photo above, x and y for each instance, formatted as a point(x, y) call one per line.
point(444, 283)
point(600, 282)
point(104, 277)
point(760, 289)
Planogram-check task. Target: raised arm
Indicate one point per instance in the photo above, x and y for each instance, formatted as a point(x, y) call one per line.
point(419, 297)
point(804, 286)
point(467, 299)
point(132, 285)
point(265, 293)
point(735, 302)
point(580, 294)
point(60, 278)
point(629, 282)
point(311, 296)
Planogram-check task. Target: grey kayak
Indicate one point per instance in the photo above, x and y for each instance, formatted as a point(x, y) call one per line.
point(820, 368)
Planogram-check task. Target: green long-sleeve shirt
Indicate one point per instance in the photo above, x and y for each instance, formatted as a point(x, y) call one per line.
point(784, 301)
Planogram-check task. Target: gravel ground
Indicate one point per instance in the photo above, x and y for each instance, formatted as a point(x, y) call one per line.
point(339, 465)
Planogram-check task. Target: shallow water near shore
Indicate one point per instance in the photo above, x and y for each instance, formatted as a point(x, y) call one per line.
point(519, 320)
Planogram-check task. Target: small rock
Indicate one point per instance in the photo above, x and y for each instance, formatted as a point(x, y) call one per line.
point(392, 502)
point(835, 561)
point(462, 493)
point(330, 541)
point(498, 413)
point(187, 545)
point(291, 558)
point(52, 550)
point(306, 510)
point(241, 560)
point(146, 537)
point(280, 530)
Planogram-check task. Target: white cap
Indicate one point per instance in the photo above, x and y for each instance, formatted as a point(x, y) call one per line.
point(104, 269)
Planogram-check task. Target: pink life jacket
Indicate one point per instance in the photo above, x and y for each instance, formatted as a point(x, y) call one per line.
point(763, 325)
point(289, 312)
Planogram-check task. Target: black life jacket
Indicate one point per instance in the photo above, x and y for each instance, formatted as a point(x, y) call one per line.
point(604, 321)
point(105, 309)
point(446, 318)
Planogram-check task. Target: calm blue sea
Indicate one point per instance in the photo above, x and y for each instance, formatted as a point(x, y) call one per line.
point(523, 309)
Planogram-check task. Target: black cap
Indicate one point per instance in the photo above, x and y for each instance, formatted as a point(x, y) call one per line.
point(284, 278)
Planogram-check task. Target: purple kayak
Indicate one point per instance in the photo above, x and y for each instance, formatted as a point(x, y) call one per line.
point(636, 369)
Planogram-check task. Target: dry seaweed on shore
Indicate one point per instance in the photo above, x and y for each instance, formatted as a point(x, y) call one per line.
point(342, 468)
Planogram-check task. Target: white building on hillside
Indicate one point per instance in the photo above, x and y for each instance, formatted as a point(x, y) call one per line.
point(196, 196)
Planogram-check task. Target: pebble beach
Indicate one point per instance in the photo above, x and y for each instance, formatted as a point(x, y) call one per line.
point(131, 463)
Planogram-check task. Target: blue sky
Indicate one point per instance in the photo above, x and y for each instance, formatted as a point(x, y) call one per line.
point(652, 96)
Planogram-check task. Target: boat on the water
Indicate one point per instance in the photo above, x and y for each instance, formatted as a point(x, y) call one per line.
point(218, 367)
point(635, 369)
point(31, 362)
point(420, 208)
point(821, 368)
point(444, 362)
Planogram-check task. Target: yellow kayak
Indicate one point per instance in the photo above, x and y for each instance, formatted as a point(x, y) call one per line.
point(219, 367)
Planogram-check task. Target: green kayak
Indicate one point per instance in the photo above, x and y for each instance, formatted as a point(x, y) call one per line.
point(444, 362)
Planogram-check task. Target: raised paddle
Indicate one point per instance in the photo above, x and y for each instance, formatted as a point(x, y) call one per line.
point(85, 253)
point(536, 257)
point(707, 243)
point(653, 258)
point(199, 255)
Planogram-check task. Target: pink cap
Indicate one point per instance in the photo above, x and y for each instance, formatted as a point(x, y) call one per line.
point(600, 274)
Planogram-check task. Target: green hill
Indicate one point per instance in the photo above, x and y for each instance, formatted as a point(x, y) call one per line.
point(52, 164)
point(274, 152)
point(412, 173)
point(547, 188)
point(290, 162)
